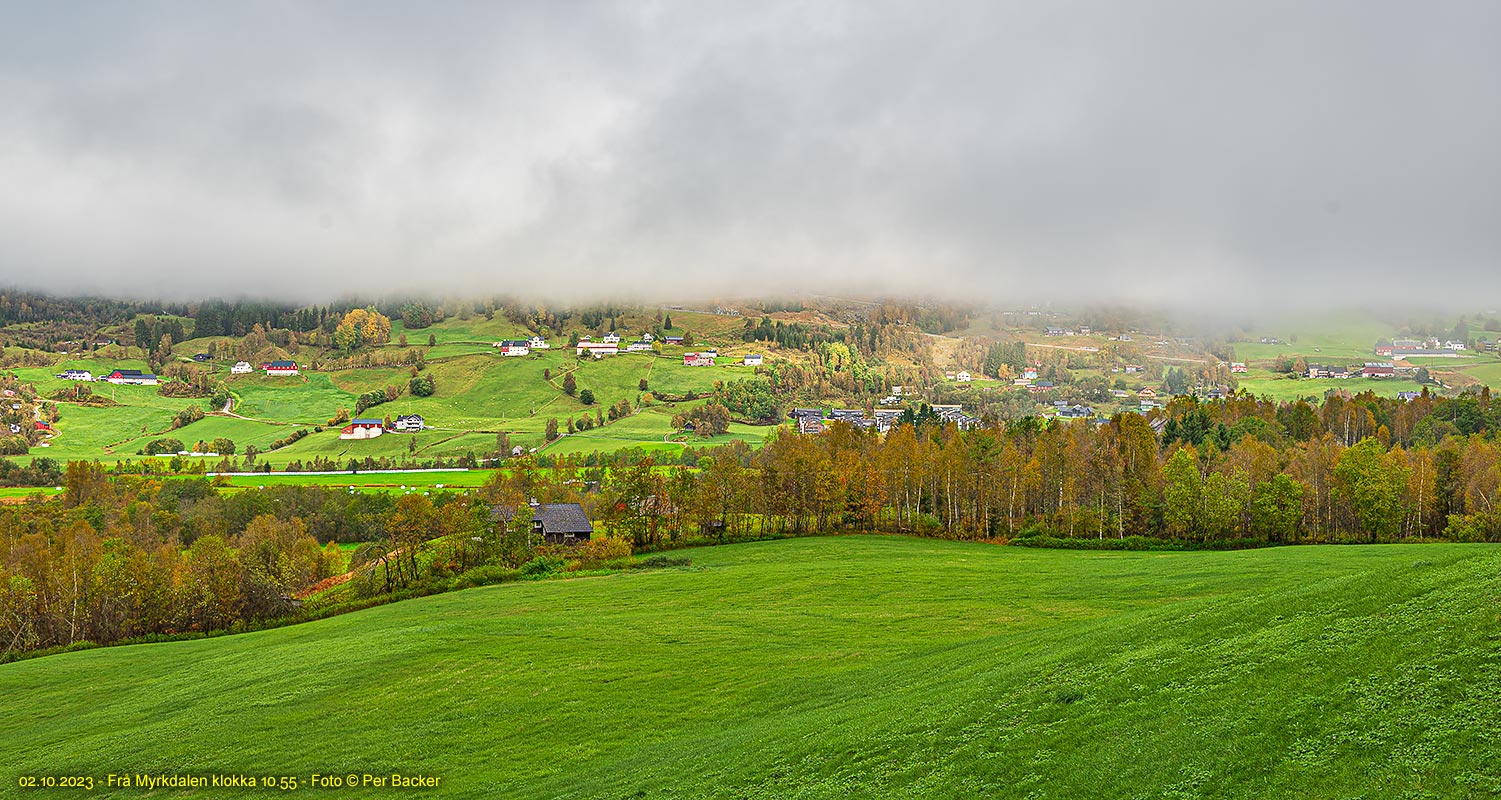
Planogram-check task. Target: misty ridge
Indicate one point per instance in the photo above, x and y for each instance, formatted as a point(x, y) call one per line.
point(1170, 154)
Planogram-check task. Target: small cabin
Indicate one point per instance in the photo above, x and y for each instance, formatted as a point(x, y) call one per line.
point(556, 523)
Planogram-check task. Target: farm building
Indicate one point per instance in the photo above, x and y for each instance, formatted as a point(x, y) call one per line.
point(698, 360)
point(1328, 371)
point(1378, 369)
point(1237, 366)
point(408, 423)
point(557, 523)
point(642, 346)
point(76, 375)
point(280, 367)
point(1147, 393)
point(963, 377)
point(1408, 397)
point(200, 357)
point(513, 347)
point(133, 377)
point(537, 343)
point(241, 368)
point(809, 425)
point(611, 338)
point(596, 348)
point(752, 360)
point(362, 429)
point(1075, 412)
point(678, 340)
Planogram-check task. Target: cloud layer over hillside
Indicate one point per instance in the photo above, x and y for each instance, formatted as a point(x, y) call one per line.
point(1174, 151)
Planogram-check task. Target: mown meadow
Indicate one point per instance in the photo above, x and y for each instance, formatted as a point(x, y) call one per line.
point(863, 666)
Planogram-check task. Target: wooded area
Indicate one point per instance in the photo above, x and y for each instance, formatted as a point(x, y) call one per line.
point(121, 555)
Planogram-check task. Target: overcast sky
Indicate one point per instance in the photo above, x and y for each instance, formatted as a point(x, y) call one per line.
point(1177, 151)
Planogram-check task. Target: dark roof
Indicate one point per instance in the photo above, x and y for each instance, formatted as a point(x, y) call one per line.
point(367, 421)
point(555, 517)
point(282, 364)
point(417, 417)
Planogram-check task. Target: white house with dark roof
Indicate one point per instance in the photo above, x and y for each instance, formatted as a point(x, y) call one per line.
point(751, 360)
point(408, 423)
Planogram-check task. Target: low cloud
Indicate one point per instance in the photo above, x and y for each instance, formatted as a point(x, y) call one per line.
point(1180, 153)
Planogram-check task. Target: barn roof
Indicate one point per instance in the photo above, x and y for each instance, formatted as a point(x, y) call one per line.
point(555, 517)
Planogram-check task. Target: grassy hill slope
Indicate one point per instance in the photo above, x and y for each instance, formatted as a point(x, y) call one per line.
point(856, 666)
point(479, 393)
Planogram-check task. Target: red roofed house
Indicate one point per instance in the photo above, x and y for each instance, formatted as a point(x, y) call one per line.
point(698, 360)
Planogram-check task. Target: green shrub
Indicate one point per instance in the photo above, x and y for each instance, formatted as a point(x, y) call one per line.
point(543, 565)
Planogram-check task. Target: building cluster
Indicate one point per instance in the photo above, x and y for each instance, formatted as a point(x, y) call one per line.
point(1370, 369)
point(816, 420)
point(119, 377)
point(1429, 348)
point(521, 347)
point(369, 428)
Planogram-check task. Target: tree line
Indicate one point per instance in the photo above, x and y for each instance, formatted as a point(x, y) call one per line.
point(121, 555)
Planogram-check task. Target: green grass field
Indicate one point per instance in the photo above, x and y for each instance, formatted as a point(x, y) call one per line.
point(650, 430)
point(835, 667)
point(1279, 387)
point(445, 479)
point(1338, 336)
point(1487, 373)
